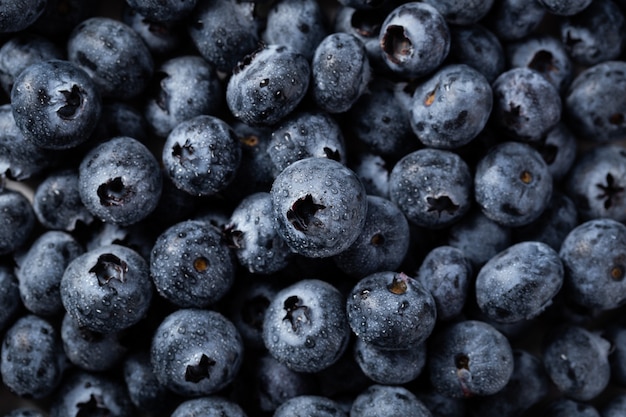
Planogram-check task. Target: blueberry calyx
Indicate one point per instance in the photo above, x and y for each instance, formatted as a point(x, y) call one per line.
point(441, 204)
point(618, 272)
point(183, 153)
point(233, 237)
point(378, 239)
point(297, 314)
point(109, 267)
point(196, 373)
point(332, 154)
point(366, 23)
point(73, 101)
point(398, 285)
point(395, 44)
point(94, 407)
point(113, 192)
point(609, 191)
point(302, 213)
point(461, 362)
point(200, 264)
point(543, 61)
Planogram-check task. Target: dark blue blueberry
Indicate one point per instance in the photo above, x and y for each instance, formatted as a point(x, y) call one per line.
point(340, 72)
point(591, 108)
point(135, 237)
point(565, 7)
point(183, 87)
point(469, 358)
point(163, 10)
point(299, 24)
point(201, 155)
point(20, 14)
point(305, 326)
point(88, 350)
point(596, 34)
point(196, 352)
point(577, 362)
point(558, 148)
point(451, 108)
point(91, 394)
point(520, 282)
point(310, 406)
point(432, 187)
point(616, 335)
point(388, 401)
point(415, 39)
point(145, 391)
point(382, 244)
point(32, 360)
point(120, 181)
point(267, 85)
point(303, 135)
point(190, 265)
point(55, 104)
point(319, 206)
point(512, 20)
point(512, 184)
point(115, 57)
point(615, 406)
point(594, 257)
point(478, 47)
point(208, 407)
point(107, 289)
point(447, 273)
point(391, 311)
point(163, 39)
point(223, 31)
point(17, 220)
point(10, 305)
point(390, 366)
point(40, 270)
point(373, 172)
point(565, 407)
point(119, 118)
point(441, 405)
point(462, 12)
point(526, 105)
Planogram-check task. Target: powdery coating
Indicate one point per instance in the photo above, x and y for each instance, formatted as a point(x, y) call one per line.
point(19, 14)
point(390, 367)
point(558, 148)
point(512, 20)
point(17, 220)
point(565, 7)
point(163, 10)
point(163, 39)
point(594, 257)
point(469, 358)
point(462, 12)
point(451, 108)
point(208, 407)
point(432, 187)
point(319, 206)
point(190, 264)
point(310, 405)
point(388, 401)
point(267, 85)
point(9, 297)
point(107, 289)
point(120, 181)
point(373, 172)
point(305, 326)
point(478, 47)
point(201, 155)
point(577, 362)
point(196, 352)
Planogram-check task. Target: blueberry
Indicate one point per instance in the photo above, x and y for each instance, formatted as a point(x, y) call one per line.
point(319, 206)
point(107, 289)
point(25, 412)
point(267, 85)
point(432, 187)
point(390, 367)
point(478, 47)
point(119, 181)
point(441, 405)
point(134, 237)
point(163, 11)
point(462, 12)
point(10, 305)
point(469, 358)
point(145, 391)
point(616, 335)
point(163, 39)
point(196, 352)
point(17, 220)
point(565, 407)
point(389, 401)
point(558, 148)
point(19, 15)
point(201, 155)
point(309, 406)
point(190, 265)
point(305, 326)
point(512, 20)
point(565, 7)
point(208, 407)
point(373, 172)
point(615, 406)
point(119, 118)
point(594, 257)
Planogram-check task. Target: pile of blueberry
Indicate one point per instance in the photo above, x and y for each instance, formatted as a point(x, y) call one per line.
point(293, 208)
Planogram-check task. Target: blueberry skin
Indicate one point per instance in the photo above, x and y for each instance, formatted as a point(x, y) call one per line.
point(391, 311)
point(388, 400)
point(565, 407)
point(373, 172)
point(113, 55)
point(25, 412)
point(119, 118)
point(258, 247)
point(512, 20)
point(32, 347)
point(107, 289)
point(163, 11)
point(469, 358)
point(559, 149)
point(90, 351)
point(415, 39)
point(190, 265)
point(340, 72)
point(594, 257)
point(20, 14)
point(145, 391)
point(41, 269)
point(512, 184)
point(565, 7)
point(577, 362)
point(93, 394)
point(596, 34)
point(320, 207)
point(616, 335)
point(446, 272)
point(441, 405)
point(390, 367)
point(478, 47)
point(56, 105)
point(462, 12)
point(223, 31)
point(208, 407)
point(119, 181)
point(615, 406)
point(17, 220)
point(309, 406)
point(306, 134)
point(432, 187)
point(10, 304)
point(592, 111)
point(451, 108)
point(382, 244)
point(183, 87)
point(298, 24)
point(196, 352)
point(305, 326)
point(201, 155)
point(163, 39)
point(267, 85)
point(517, 93)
